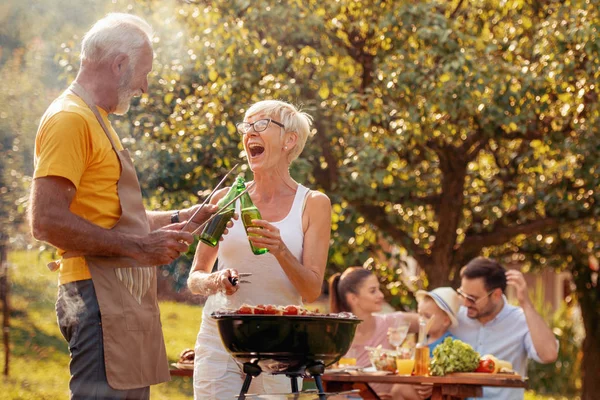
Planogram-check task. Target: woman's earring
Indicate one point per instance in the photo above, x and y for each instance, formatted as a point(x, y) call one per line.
point(285, 148)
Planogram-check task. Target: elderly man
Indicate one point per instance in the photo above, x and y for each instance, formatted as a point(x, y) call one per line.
point(492, 326)
point(86, 201)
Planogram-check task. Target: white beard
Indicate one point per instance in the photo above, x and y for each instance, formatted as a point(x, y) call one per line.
point(124, 101)
point(125, 93)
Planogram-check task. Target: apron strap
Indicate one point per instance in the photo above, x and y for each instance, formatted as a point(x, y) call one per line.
point(80, 92)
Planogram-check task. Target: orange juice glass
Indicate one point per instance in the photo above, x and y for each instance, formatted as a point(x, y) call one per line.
point(404, 367)
point(347, 362)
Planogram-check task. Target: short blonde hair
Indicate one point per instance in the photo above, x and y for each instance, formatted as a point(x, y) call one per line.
point(113, 34)
point(292, 118)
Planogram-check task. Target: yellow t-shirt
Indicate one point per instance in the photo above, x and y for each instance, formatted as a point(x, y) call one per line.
point(70, 143)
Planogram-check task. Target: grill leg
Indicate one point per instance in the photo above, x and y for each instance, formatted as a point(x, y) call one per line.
point(294, 384)
point(316, 370)
point(252, 370)
point(319, 384)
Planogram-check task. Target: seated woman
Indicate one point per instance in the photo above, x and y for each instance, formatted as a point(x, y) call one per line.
point(439, 306)
point(295, 228)
point(357, 291)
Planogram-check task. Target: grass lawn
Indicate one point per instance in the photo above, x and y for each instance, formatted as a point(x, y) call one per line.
point(39, 354)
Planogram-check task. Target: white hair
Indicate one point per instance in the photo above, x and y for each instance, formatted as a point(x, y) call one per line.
point(292, 118)
point(116, 33)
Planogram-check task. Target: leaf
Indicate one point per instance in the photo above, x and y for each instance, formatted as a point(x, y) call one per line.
point(324, 91)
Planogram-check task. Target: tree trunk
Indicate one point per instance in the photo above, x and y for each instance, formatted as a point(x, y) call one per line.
point(589, 301)
point(438, 272)
point(590, 365)
point(5, 304)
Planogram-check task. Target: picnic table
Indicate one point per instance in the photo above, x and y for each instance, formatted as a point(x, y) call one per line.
point(450, 387)
point(453, 386)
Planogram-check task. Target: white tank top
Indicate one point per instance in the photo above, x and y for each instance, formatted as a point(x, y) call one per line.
point(270, 284)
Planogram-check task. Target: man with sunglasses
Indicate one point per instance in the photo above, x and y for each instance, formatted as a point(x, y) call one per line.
point(492, 326)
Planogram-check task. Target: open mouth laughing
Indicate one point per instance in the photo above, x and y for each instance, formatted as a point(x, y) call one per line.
point(255, 149)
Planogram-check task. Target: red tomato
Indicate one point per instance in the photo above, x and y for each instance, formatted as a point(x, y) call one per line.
point(290, 310)
point(486, 365)
point(244, 310)
point(259, 309)
point(270, 309)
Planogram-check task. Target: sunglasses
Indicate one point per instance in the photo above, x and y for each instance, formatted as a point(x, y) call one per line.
point(473, 299)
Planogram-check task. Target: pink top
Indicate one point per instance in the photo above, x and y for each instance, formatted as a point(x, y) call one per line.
point(382, 323)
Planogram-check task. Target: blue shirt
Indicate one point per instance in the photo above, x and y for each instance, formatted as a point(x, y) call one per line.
point(434, 344)
point(507, 337)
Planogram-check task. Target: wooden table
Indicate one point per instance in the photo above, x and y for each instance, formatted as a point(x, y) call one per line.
point(181, 372)
point(454, 386)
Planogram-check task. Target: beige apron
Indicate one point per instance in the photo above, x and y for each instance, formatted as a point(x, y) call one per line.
point(134, 348)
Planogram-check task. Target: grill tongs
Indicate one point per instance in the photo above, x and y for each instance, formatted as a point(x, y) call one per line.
point(202, 225)
point(219, 210)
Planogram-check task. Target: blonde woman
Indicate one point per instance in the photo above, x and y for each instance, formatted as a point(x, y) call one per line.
point(295, 228)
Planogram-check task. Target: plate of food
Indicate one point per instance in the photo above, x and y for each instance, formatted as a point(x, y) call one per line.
point(186, 360)
point(371, 371)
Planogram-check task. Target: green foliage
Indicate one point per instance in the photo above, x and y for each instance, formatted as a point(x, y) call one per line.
point(445, 127)
point(563, 376)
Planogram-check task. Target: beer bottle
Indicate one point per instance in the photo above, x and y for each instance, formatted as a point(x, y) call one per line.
point(214, 229)
point(250, 212)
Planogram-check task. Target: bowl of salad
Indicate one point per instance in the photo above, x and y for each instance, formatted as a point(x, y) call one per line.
point(382, 359)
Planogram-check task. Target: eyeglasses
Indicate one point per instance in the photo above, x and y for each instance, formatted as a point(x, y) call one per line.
point(473, 299)
point(258, 126)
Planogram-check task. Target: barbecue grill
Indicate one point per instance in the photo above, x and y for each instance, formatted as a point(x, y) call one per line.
point(294, 345)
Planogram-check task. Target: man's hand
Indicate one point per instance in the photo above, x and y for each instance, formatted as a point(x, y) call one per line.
point(203, 214)
point(424, 391)
point(517, 280)
point(162, 246)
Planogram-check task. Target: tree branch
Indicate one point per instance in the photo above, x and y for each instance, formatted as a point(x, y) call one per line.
point(378, 217)
point(453, 14)
point(504, 233)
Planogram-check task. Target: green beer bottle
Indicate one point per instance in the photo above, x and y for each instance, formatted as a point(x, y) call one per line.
point(214, 229)
point(250, 212)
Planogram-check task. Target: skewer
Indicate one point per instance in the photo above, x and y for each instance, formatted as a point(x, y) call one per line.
point(222, 208)
point(209, 196)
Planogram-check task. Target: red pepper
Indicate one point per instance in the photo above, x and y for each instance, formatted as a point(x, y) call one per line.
point(486, 365)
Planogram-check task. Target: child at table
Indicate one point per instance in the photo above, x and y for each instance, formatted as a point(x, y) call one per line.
point(439, 306)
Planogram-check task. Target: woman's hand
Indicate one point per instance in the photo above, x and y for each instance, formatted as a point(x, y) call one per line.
point(268, 237)
point(224, 281)
point(207, 284)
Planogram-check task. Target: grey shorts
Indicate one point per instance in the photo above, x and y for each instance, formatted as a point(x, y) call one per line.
point(79, 321)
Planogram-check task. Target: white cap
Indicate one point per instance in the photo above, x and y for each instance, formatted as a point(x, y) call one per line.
point(447, 300)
